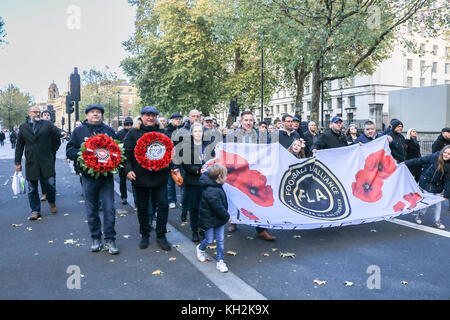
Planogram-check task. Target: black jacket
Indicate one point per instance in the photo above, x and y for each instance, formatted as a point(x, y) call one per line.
point(398, 146)
point(213, 210)
point(86, 130)
point(329, 139)
point(144, 177)
point(170, 129)
point(413, 152)
point(193, 166)
point(439, 144)
point(286, 140)
point(121, 134)
point(40, 147)
point(310, 140)
point(431, 179)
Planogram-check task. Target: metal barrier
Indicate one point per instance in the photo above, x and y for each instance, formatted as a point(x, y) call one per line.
point(425, 146)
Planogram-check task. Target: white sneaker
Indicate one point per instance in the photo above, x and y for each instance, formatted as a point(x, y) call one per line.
point(172, 205)
point(419, 219)
point(221, 266)
point(439, 225)
point(200, 254)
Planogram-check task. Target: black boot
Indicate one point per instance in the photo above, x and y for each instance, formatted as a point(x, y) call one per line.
point(144, 241)
point(163, 243)
point(195, 236)
point(183, 216)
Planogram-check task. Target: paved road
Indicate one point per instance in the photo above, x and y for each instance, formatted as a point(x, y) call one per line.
point(35, 261)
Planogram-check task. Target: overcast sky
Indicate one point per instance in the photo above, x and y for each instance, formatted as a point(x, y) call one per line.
point(46, 40)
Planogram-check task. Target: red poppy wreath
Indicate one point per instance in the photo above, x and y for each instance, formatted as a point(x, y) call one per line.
point(153, 151)
point(100, 154)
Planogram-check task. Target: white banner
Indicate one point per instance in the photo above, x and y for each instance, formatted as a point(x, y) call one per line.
point(270, 188)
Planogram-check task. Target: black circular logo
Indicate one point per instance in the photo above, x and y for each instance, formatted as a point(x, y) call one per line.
point(311, 189)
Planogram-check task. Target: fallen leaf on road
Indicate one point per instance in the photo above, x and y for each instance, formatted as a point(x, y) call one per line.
point(111, 260)
point(250, 238)
point(156, 272)
point(126, 236)
point(231, 253)
point(297, 236)
point(50, 241)
point(348, 283)
point(29, 229)
point(266, 254)
point(229, 236)
point(176, 246)
point(211, 246)
point(287, 255)
point(66, 214)
point(274, 249)
point(207, 260)
point(81, 201)
point(373, 230)
point(17, 225)
point(319, 282)
point(70, 241)
point(172, 259)
point(405, 283)
point(183, 224)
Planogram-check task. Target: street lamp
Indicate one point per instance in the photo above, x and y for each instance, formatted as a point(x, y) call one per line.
point(118, 108)
point(262, 77)
point(109, 110)
point(341, 90)
point(297, 110)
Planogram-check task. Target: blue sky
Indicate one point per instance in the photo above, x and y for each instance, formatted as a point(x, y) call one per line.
point(45, 43)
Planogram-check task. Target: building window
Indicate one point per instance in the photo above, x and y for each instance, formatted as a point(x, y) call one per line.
point(409, 81)
point(447, 68)
point(422, 49)
point(307, 89)
point(329, 104)
point(435, 50)
point(329, 85)
point(352, 81)
point(130, 90)
point(434, 69)
point(339, 103)
point(409, 64)
point(285, 110)
point(434, 82)
point(422, 82)
point(352, 102)
point(309, 106)
point(130, 100)
point(277, 109)
point(447, 52)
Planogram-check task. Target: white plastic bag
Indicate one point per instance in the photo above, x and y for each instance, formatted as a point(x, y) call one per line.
point(18, 183)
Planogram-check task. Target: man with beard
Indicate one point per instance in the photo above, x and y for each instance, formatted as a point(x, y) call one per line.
point(94, 189)
point(40, 140)
point(398, 143)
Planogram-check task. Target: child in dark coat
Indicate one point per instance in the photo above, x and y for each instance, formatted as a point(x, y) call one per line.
point(213, 213)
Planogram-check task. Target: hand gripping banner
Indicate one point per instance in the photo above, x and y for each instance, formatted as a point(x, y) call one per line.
point(268, 187)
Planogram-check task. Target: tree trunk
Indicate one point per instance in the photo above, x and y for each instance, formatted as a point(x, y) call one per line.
point(300, 75)
point(238, 65)
point(315, 107)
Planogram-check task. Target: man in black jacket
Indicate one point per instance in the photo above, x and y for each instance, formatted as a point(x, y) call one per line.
point(146, 181)
point(398, 143)
point(441, 141)
point(287, 134)
point(332, 137)
point(311, 137)
point(127, 124)
point(101, 188)
point(40, 140)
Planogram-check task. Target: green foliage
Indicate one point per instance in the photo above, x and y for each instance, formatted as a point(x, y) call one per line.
point(14, 106)
point(2, 31)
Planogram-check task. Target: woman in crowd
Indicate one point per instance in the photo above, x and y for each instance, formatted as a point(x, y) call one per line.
point(297, 148)
point(435, 179)
point(352, 134)
point(413, 152)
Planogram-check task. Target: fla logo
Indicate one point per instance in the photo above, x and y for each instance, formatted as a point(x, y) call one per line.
point(311, 189)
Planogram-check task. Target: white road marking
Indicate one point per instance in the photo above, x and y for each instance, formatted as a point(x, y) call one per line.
point(230, 284)
point(421, 227)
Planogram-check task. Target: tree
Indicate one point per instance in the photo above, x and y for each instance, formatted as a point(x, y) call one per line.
point(2, 31)
point(100, 87)
point(14, 106)
point(333, 39)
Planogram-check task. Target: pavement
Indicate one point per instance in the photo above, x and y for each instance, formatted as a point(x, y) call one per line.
point(50, 258)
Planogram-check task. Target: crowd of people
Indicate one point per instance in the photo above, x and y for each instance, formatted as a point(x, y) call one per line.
point(202, 197)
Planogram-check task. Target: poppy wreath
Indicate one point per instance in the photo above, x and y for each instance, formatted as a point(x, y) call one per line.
point(100, 155)
point(153, 151)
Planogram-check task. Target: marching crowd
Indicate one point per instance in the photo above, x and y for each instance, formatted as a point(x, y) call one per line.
point(202, 196)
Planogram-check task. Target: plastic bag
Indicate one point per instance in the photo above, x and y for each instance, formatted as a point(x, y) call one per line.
point(18, 183)
point(177, 178)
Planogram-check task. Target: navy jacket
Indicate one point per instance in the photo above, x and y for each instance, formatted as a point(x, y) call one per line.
point(365, 139)
point(439, 144)
point(86, 130)
point(398, 146)
point(431, 179)
point(213, 210)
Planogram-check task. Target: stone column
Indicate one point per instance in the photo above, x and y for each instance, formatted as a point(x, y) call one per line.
point(376, 115)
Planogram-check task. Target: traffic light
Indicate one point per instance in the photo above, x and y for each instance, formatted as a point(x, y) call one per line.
point(234, 108)
point(52, 113)
point(69, 104)
point(75, 85)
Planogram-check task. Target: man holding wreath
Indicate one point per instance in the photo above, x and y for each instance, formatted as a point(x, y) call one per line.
point(149, 153)
point(95, 188)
